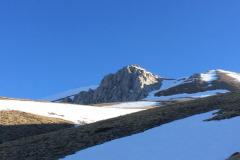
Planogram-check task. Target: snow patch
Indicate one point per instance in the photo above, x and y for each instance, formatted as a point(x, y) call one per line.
point(234, 75)
point(185, 139)
point(134, 105)
point(209, 76)
point(188, 96)
point(144, 70)
point(70, 112)
point(165, 85)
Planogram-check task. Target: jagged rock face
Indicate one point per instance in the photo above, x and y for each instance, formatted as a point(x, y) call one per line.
point(84, 97)
point(131, 83)
point(235, 156)
point(212, 80)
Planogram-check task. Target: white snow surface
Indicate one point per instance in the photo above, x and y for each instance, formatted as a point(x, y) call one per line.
point(132, 105)
point(209, 76)
point(187, 139)
point(68, 93)
point(188, 96)
point(78, 114)
point(144, 70)
point(234, 75)
point(165, 85)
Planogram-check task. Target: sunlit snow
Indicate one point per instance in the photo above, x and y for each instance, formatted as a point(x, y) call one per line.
point(209, 76)
point(188, 96)
point(186, 139)
point(165, 85)
point(137, 104)
point(76, 113)
point(234, 75)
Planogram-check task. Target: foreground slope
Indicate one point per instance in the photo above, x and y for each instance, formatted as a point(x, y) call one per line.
point(196, 139)
point(59, 144)
point(15, 125)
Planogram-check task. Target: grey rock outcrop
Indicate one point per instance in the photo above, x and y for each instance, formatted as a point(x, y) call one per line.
point(235, 156)
point(130, 83)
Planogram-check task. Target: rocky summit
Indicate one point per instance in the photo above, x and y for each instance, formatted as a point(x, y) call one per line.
point(131, 83)
point(134, 83)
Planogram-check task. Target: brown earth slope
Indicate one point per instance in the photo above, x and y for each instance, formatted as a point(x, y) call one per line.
point(58, 144)
point(15, 125)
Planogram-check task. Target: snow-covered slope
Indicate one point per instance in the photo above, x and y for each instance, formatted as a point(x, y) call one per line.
point(186, 139)
point(78, 114)
point(209, 76)
point(187, 96)
point(165, 85)
point(234, 75)
point(135, 105)
point(168, 84)
point(208, 83)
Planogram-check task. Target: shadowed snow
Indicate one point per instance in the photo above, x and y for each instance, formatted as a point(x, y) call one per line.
point(187, 139)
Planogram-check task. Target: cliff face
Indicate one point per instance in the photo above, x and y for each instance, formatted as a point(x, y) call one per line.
point(130, 83)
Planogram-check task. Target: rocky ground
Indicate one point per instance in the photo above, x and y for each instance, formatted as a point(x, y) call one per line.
point(58, 144)
point(131, 83)
point(15, 125)
point(235, 156)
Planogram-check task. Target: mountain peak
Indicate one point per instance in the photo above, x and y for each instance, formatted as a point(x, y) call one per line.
point(135, 68)
point(131, 83)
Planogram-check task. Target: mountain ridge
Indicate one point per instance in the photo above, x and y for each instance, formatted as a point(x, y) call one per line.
point(118, 87)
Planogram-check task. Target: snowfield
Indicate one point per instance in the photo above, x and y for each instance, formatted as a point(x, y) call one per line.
point(165, 85)
point(187, 139)
point(78, 114)
point(187, 96)
point(209, 76)
point(135, 105)
point(234, 75)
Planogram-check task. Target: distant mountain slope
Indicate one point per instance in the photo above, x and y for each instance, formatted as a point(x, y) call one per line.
point(211, 80)
point(67, 96)
point(134, 83)
point(131, 83)
point(58, 144)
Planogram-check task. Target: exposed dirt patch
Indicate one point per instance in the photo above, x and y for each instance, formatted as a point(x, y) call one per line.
point(15, 125)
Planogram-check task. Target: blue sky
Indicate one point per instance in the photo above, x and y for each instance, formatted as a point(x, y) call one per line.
point(48, 46)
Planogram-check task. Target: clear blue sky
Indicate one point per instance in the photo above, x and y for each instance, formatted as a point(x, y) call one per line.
point(48, 46)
